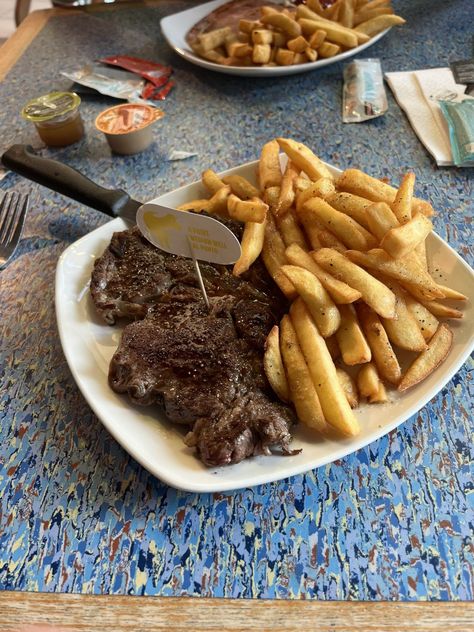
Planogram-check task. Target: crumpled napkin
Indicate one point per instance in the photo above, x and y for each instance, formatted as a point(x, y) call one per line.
point(417, 93)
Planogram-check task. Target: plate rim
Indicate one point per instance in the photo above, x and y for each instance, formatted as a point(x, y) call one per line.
point(265, 476)
point(245, 71)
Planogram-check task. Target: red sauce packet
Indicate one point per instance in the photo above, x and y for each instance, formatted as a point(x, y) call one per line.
point(154, 72)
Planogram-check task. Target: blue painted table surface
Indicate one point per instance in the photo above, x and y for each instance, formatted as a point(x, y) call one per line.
point(77, 513)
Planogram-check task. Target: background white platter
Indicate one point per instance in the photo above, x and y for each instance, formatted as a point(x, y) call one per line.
point(174, 28)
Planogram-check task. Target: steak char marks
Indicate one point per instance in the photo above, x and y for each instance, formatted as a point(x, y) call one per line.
point(205, 368)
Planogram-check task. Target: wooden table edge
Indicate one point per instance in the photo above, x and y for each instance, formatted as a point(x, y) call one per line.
point(91, 613)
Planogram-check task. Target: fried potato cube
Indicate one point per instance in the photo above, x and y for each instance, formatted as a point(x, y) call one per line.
point(261, 53)
point(328, 49)
point(311, 54)
point(428, 360)
point(262, 36)
point(279, 39)
point(298, 44)
point(239, 50)
point(284, 57)
point(317, 38)
point(247, 26)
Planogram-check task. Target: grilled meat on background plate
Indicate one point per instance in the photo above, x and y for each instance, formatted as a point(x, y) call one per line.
point(204, 367)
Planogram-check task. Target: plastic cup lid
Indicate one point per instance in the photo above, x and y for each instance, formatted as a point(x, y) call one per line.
point(126, 118)
point(50, 106)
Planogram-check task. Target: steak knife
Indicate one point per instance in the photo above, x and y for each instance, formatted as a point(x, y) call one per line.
point(72, 183)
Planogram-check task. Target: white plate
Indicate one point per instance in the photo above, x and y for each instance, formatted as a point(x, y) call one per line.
point(175, 27)
point(144, 432)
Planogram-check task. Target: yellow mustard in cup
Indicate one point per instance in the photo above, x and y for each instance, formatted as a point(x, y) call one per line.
point(56, 117)
point(128, 126)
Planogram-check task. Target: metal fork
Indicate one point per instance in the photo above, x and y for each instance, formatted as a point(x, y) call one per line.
point(13, 208)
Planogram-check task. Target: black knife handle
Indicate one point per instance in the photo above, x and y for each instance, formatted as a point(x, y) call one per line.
point(59, 177)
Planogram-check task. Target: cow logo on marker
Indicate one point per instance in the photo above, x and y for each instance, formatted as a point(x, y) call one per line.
point(160, 226)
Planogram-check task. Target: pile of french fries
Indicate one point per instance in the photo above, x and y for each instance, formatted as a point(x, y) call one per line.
point(349, 254)
point(297, 35)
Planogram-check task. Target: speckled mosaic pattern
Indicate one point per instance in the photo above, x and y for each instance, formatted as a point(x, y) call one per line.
point(392, 521)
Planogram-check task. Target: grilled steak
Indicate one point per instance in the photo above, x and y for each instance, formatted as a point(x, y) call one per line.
point(204, 368)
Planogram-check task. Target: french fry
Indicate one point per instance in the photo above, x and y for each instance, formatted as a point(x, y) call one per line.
point(218, 202)
point(382, 351)
point(332, 12)
point(194, 205)
point(253, 210)
point(351, 205)
point(350, 338)
point(374, 293)
point(427, 322)
point(320, 305)
point(334, 32)
point(359, 183)
point(329, 240)
point(381, 219)
point(380, 397)
point(408, 271)
point(269, 172)
point(287, 191)
point(454, 295)
point(290, 231)
point(428, 360)
point(213, 39)
point(368, 380)
point(273, 365)
point(332, 398)
point(333, 347)
point(379, 24)
point(252, 244)
point(403, 201)
point(211, 181)
point(403, 330)
point(315, 6)
point(420, 251)
point(273, 255)
point(302, 390)
point(282, 22)
point(441, 310)
point(266, 10)
point(241, 187)
point(304, 12)
point(400, 241)
point(344, 227)
point(349, 387)
point(312, 231)
point(346, 14)
point(340, 292)
point(368, 14)
point(271, 196)
point(304, 159)
point(322, 188)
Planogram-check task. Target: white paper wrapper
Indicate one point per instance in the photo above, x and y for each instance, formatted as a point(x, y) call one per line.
point(176, 154)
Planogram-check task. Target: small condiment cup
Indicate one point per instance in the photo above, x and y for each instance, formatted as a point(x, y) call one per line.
point(128, 126)
point(56, 117)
